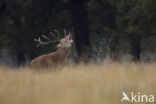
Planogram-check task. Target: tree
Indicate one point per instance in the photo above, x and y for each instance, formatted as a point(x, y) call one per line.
point(25, 20)
point(2, 6)
point(137, 19)
point(102, 20)
point(15, 14)
point(80, 22)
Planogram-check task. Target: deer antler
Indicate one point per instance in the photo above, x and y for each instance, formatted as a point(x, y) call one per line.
point(49, 40)
point(58, 34)
point(40, 42)
point(65, 32)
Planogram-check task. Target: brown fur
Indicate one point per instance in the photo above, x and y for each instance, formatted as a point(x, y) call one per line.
point(53, 59)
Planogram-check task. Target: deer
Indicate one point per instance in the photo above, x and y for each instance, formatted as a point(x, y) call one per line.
point(56, 58)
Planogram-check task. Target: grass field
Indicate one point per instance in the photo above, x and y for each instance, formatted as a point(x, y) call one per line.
point(80, 84)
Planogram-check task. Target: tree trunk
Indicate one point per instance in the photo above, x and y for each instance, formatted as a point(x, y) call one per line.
point(114, 53)
point(20, 57)
point(80, 23)
point(20, 53)
point(2, 6)
point(136, 47)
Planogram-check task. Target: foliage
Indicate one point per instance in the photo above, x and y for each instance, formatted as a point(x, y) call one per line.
point(116, 21)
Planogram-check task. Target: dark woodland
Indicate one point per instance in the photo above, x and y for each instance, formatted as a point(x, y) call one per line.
point(121, 30)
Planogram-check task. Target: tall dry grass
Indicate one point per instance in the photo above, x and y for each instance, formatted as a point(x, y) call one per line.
point(81, 84)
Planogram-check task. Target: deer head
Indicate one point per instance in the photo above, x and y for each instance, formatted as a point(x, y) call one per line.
point(64, 43)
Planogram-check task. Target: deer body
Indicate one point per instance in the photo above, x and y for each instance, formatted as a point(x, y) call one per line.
point(54, 59)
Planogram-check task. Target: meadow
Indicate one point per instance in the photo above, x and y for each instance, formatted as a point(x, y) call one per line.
point(77, 84)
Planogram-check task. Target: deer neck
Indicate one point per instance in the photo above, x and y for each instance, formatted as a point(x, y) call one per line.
point(60, 55)
point(63, 52)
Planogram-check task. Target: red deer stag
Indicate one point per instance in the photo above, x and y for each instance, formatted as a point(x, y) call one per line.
point(56, 58)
